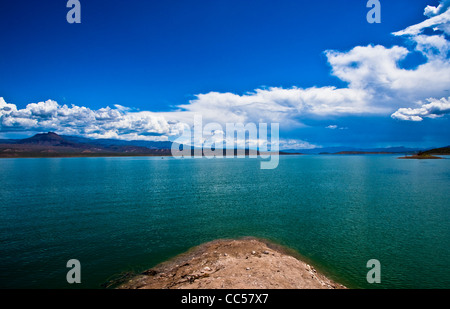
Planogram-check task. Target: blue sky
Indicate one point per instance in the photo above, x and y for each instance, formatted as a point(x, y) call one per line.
point(134, 69)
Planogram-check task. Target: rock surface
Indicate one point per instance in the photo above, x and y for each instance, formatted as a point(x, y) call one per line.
point(233, 264)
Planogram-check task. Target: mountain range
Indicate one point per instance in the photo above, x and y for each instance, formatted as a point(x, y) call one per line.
point(53, 145)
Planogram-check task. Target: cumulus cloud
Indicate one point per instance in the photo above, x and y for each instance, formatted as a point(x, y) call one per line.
point(107, 122)
point(279, 105)
point(432, 11)
point(6, 108)
point(433, 109)
point(377, 83)
point(376, 70)
point(434, 46)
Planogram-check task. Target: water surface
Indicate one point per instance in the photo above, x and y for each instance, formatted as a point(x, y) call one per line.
point(128, 214)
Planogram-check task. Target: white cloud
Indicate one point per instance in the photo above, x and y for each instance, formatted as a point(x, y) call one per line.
point(366, 66)
point(432, 46)
point(106, 122)
point(432, 11)
point(434, 109)
point(334, 127)
point(6, 108)
point(376, 70)
point(439, 20)
point(435, 45)
point(279, 105)
point(377, 85)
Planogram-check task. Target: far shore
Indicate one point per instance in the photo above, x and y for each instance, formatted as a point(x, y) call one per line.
point(421, 157)
point(125, 155)
point(246, 263)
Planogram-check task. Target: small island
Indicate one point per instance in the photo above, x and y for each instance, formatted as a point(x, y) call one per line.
point(420, 157)
point(246, 263)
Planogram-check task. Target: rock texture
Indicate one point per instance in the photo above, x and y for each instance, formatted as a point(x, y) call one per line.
point(233, 264)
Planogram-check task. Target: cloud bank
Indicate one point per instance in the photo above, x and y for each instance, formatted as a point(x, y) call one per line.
point(118, 122)
point(434, 109)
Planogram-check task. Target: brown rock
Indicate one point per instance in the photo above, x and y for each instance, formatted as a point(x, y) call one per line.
point(274, 269)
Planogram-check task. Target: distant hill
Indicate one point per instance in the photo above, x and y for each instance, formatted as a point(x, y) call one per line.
point(361, 152)
point(53, 145)
point(436, 151)
point(46, 139)
point(430, 154)
point(353, 150)
point(115, 142)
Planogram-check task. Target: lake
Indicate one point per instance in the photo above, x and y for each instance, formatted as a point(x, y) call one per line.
point(129, 214)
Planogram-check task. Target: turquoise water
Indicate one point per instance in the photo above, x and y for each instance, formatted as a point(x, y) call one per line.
point(128, 214)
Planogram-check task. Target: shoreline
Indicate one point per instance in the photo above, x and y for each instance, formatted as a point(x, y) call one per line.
point(96, 155)
point(419, 157)
point(244, 263)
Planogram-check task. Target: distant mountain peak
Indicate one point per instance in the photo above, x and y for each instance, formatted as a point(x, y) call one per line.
point(49, 135)
point(44, 139)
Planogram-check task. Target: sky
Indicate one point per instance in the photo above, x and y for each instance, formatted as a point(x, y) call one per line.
point(140, 70)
